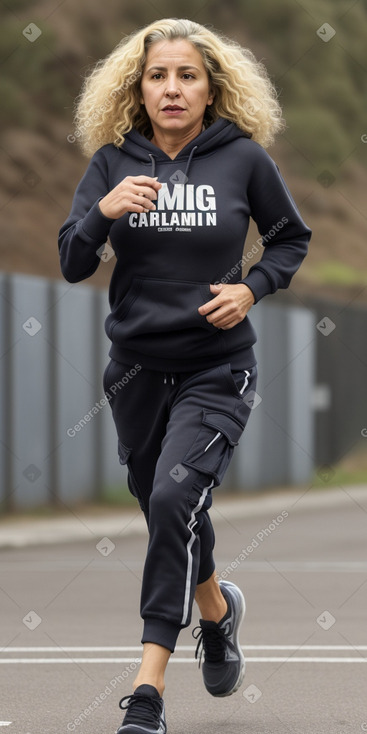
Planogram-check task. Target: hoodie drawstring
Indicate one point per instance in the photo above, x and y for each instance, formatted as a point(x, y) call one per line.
point(189, 161)
point(152, 160)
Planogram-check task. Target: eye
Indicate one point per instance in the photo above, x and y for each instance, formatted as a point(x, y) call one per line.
point(190, 75)
point(156, 74)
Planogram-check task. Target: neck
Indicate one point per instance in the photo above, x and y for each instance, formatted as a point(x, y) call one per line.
point(171, 143)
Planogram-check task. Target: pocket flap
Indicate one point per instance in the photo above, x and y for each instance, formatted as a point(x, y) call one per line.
point(226, 424)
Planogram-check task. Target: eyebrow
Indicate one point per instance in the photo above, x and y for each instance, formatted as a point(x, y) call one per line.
point(180, 68)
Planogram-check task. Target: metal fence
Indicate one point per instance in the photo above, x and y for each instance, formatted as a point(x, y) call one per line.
point(340, 398)
point(53, 350)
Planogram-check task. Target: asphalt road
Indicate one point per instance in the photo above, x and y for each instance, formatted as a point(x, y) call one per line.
point(70, 629)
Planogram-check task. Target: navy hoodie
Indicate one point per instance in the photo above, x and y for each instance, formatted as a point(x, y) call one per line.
point(166, 259)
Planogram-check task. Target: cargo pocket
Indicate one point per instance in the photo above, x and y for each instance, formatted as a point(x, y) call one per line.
point(213, 447)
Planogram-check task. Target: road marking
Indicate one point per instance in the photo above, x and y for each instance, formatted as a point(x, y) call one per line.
point(106, 661)
point(322, 658)
point(179, 648)
point(297, 566)
point(5, 723)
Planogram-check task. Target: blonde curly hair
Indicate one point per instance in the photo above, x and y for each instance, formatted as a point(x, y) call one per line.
point(109, 102)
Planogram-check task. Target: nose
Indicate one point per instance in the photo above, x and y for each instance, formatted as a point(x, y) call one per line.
point(172, 86)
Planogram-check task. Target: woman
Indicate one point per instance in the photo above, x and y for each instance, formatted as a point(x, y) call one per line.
point(177, 119)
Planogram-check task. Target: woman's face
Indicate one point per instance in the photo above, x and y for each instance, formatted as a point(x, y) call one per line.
point(174, 74)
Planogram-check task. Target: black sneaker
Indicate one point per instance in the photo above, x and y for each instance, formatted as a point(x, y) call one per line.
point(144, 712)
point(224, 664)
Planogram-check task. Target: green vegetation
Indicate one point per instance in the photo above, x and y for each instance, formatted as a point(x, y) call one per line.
point(332, 272)
point(322, 85)
point(33, 83)
point(352, 469)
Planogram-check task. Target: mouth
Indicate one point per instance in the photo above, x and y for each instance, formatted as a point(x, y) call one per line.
point(172, 109)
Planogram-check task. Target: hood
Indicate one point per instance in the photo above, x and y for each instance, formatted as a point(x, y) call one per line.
point(220, 133)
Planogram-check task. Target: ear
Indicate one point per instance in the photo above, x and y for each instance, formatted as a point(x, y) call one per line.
point(211, 97)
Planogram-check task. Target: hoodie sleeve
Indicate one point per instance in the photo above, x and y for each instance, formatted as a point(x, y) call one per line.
point(285, 236)
point(86, 228)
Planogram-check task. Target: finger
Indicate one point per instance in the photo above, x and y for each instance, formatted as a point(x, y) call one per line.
point(216, 287)
point(224, 317)
point(227, 323)
point(210, 306)
point(144, 202)
point(146, 181)
point(223, 312)
point(229, 326)
point(145, 191)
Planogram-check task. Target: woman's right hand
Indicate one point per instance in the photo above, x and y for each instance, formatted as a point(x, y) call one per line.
point(132, 194)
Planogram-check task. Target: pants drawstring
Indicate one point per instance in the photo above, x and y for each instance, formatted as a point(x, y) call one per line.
point(172, 378)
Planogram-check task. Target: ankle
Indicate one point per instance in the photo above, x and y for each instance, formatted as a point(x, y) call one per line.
point(214, 612)
point(151, 681)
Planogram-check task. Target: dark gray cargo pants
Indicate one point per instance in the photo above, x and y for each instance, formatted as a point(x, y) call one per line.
point(176, 433)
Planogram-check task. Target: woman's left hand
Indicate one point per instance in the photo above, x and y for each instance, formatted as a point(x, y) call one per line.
point(229, 307)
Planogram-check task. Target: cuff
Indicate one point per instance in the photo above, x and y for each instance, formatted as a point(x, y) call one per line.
point(258, 283)
point(95, 224)
point(161, 632)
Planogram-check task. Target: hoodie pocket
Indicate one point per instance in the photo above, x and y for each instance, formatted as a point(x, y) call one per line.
point(158, 314)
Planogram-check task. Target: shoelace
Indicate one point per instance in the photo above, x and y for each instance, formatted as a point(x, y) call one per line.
point(143, 709)
point(212, 641)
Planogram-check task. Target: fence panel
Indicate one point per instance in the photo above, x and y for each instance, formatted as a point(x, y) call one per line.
point(277, 447)
point(75, 386)
point(58, 440)
point(29, 390)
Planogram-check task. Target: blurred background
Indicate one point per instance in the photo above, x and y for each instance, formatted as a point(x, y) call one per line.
point(310, 427)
